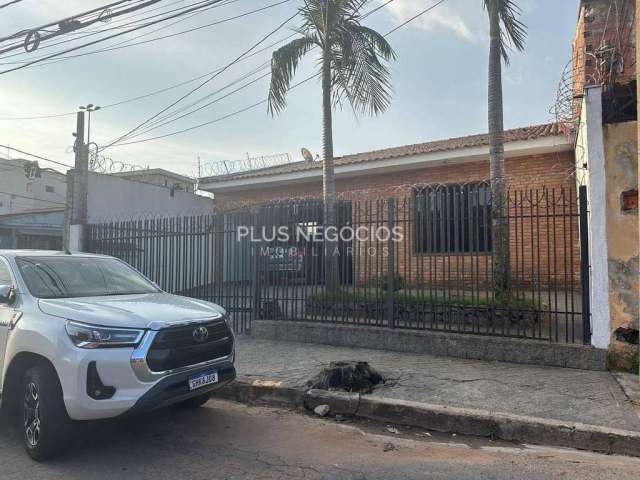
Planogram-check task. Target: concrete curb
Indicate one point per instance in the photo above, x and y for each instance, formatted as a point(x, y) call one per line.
point(440, 418)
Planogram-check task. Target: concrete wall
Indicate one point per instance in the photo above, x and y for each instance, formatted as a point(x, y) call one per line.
point(114, 198)
point(621, 166)
point(155, 178)
point(591, 172)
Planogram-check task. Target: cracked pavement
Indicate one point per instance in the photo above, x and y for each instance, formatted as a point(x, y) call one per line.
point(226, 440)
point(563, 394)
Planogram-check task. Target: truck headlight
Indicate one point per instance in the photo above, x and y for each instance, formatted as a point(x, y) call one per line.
point(90, 336)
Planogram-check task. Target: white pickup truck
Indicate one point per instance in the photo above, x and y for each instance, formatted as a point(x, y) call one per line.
point(86, 337)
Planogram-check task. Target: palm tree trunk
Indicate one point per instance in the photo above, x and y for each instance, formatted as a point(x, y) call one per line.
point(499, 207)
point(331, 273)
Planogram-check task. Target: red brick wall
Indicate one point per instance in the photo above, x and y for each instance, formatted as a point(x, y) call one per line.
point(544, 243)
point(544, 249)
point(599, 24)
point(550, 170)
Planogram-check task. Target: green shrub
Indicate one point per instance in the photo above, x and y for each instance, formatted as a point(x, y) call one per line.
point(399, 282)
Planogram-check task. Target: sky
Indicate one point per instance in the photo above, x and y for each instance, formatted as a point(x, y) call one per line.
point(439, 82)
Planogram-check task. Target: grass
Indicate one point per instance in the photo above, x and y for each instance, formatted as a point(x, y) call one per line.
point(407, 298)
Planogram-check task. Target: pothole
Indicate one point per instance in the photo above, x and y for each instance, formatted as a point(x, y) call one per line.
point(348, 376)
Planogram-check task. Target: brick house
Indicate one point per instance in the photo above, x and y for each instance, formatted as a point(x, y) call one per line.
point(536, 156)
point(539, 168)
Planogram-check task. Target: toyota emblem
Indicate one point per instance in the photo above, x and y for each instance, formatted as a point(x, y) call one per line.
point(200, 334)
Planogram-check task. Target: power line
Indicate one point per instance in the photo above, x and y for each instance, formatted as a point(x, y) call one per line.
point(32, 198)
point(245, 76)
point(33, 37)
point(154, 92)
point(36, 156)
point(10, 3)
point(124, 44)
point(7, 168)
point(262, 102)
point(128, 44)
point(148, 24)
point(419, 14)
point(161, 123)
point(222, 70)
point(154, 127)
point(119, 23)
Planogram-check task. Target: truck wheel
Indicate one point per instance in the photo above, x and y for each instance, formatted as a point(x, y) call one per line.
point(195, 402)
point(46, 426)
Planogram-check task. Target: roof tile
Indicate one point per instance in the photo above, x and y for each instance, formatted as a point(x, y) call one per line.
point(514, 135)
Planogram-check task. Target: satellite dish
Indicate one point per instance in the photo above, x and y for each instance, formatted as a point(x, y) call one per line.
point(307, 155)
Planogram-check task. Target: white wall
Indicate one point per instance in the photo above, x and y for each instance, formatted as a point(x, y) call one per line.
point(21, 194)
point(115, 198)
point(590, 150)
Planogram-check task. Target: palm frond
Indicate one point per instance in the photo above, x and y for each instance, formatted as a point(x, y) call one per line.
point(284, 64)
point(513, 32)
point(359, 73)
point(357, 56)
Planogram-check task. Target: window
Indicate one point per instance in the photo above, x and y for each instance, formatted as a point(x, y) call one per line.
point(68, 277)
point(29, 187)
point(5, 275)
point(453, 219)
point(49, 189)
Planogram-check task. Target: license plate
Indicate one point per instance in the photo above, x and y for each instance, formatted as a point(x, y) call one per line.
point(203, 380)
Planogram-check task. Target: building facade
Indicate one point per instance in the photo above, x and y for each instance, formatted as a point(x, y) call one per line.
point(25, 186)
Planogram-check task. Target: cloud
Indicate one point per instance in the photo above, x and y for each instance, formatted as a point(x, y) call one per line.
point(463, 18)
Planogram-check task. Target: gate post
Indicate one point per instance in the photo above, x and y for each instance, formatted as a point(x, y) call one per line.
point(256, 294)
point(391, 277)
point(585, 279)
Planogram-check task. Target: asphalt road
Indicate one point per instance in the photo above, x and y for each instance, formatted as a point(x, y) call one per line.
point(230, 441)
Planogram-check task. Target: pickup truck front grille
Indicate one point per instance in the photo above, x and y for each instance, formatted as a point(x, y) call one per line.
point(183, 346)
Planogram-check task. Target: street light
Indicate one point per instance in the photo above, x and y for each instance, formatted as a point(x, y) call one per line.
point(89, 108)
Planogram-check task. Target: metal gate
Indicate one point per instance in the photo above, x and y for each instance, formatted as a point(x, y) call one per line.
point(183, 255)
point(267, 262)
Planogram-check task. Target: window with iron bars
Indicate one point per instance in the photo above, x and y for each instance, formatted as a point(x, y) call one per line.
point(453, 219)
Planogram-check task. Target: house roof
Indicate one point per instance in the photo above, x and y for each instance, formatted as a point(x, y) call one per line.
point(156, 171)
point(27, 213)
point(514, 135)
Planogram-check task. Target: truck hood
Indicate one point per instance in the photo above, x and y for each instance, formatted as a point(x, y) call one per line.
point(133, 311)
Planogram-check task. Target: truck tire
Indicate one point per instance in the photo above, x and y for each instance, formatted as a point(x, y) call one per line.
point(195, 402)
point(46, 427)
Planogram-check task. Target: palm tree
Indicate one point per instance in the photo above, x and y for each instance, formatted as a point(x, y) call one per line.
point(505, 30)
point(352, 64)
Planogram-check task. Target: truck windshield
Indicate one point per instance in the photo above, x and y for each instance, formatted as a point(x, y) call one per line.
point(69, 277)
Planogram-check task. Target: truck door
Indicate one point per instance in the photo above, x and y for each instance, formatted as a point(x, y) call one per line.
point(6, 315)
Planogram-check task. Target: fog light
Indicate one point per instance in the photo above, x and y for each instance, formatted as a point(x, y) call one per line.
point(95, 388)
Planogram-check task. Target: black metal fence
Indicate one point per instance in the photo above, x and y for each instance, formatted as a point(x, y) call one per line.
point(423, 261)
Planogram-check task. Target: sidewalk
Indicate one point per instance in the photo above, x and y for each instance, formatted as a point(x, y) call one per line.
point(567, 399)
point(594, 398)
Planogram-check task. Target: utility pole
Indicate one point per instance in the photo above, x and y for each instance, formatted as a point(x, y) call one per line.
point(77, 207)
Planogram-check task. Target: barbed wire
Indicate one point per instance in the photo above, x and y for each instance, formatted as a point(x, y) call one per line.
point(99, 163)
point(225, 167)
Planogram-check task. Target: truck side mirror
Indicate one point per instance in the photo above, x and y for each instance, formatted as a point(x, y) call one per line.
point(7, 295)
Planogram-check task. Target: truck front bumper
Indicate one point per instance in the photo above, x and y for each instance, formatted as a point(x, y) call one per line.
point(131, 393)
point(175, 388)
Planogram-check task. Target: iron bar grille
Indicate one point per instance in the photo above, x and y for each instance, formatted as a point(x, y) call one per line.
point(436, 274)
